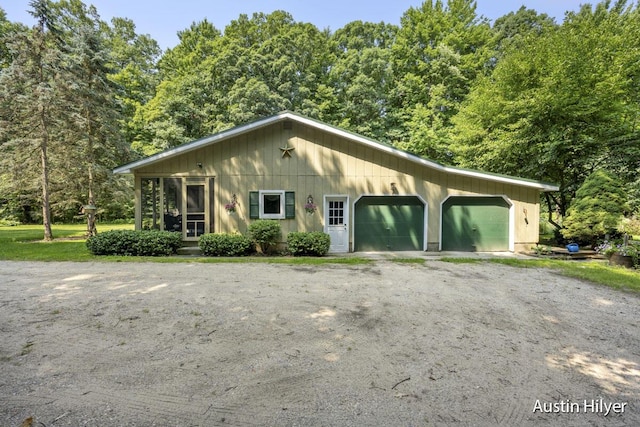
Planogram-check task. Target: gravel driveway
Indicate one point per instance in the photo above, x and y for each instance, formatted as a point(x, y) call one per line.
point(129, 344)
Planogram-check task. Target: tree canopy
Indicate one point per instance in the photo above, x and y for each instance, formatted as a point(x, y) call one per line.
point(523, 95)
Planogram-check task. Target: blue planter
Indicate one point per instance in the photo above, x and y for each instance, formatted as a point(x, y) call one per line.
point(573, 247)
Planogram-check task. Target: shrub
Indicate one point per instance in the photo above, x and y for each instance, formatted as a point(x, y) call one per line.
point(134, 243)
point(265, 233)
point(596, 210)
point(225, 244)
point(314, 244)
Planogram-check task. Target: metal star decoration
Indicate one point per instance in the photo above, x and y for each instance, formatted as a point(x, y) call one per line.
point(286, 150)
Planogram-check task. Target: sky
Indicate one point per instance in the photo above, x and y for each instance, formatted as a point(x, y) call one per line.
point(162, 19)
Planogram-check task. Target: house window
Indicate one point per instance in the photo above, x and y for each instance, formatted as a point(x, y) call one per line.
point(272, 204)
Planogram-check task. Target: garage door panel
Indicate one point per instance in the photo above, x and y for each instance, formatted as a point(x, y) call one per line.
point(389, 223)
point(475, 224)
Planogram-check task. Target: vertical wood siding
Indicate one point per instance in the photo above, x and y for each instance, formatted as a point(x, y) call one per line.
point(323, 163)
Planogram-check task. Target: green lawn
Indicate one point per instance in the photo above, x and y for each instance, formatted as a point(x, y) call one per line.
point(24, 242)
point(594, 271)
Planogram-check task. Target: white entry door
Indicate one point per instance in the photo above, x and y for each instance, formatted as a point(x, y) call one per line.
point(336, 223)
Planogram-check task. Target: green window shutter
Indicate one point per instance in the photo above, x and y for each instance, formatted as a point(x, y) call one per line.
point(254, 205)
point(289, 204)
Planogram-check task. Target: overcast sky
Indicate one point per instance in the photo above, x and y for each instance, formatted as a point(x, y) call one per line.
point(163, 19)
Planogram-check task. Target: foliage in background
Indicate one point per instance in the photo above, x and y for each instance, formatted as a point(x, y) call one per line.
point(57, 94)
point(597, 209)
point(560, 103)
point(524, 96)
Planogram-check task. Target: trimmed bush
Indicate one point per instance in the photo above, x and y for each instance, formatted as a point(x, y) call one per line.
point(597, 209)
point(265, 233)
point(134, 243)
point(225, 244)
point(312, 244)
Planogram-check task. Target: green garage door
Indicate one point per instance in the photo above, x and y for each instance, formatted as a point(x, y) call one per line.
point(389, 223)
point(475, 224)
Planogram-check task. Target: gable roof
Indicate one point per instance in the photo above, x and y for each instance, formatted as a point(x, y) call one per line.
point(288, 115)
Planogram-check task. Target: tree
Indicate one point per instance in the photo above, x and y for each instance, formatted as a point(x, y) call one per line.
point(555, 103)
point(94, 134)
point(29, 93)
point(440, 50)
point(91, 139)
point(362, 77)
point(261, 65)
point(132, 61)
point(6, 28)
point(598, 208)
point(57, 95)
point(522, 23)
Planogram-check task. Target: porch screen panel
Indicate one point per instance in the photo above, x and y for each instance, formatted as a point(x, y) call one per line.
point(150, 198)
point(173, 204)
point(211, 207)
point(195, 209)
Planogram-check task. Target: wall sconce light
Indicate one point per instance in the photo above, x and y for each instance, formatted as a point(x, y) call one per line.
point(199, 164)
point(394, 189)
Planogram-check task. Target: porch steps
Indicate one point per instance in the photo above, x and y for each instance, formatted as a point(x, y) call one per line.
point(189, 249)
point(563, 253)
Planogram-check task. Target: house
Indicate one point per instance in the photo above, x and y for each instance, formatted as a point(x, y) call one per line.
point(368, 196)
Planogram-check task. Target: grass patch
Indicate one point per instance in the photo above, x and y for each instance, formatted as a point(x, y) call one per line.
point(24, 242)
point(593, 271)
point(460, 260)
point(407, 260)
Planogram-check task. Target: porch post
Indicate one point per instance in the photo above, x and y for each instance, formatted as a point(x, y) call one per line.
point(138, 202)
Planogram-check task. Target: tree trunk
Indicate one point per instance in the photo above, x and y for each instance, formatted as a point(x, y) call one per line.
point(44, 137)
point(91, 215)
point(46, 209)
point(547, 196)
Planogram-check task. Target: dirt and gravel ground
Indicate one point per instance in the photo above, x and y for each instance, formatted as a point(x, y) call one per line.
point(127, 344)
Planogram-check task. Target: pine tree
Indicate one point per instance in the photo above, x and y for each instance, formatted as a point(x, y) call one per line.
point(28, 95)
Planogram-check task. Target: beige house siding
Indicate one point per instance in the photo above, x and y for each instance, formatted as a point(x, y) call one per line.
point(323, 163)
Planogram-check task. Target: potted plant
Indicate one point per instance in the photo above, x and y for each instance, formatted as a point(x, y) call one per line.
point(310, 207)
point(231, 206)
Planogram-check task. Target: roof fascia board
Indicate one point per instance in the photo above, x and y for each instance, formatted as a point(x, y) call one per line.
point(239, 130)
point(421, 161)
point(194, 145)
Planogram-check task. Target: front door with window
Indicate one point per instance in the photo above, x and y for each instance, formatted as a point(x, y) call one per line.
point(336, 210)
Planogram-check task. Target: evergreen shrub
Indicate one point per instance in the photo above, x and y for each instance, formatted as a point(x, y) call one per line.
point(135, 243)
point(225, 244)
point(313, 243)
point(265, 233)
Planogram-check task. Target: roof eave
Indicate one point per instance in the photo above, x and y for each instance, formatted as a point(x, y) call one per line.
point(194, 145)
point(239, 130)
point(422, 161)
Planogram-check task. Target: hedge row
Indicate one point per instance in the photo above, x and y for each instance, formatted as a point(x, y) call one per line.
point(225, 244)
point(311, 244)
point(135, 243)
point(164, 243)
point(299, 244)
